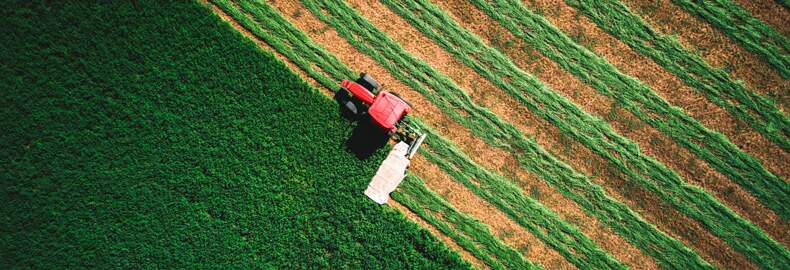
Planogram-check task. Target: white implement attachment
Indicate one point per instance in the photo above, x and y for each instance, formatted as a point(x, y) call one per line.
point(390, 174)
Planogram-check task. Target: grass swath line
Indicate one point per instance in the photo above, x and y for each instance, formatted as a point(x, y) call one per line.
point(740, 26)
point(277, 33)
point(711, 146)
point(425, 203)
point(758, 111)
point(571, 120)
point(354, 29)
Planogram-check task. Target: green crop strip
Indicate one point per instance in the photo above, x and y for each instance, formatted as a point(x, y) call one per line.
point(562, 237)
point(430, 207)
point(276, 30)
point(756, 110)
point(632, 94)
point(497, 133)
point(508, 197)
point(742, 27)
point(150, 134)
point(638, 98)
point(571, 120)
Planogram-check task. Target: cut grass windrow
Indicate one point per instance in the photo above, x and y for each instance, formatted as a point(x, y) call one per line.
point(571, 120)
point(643, 103)
point(451, 99)
point(468, 232)
point(529, 213)
point(639, 99)
point(464, 230)
point(758, 111)
point(508, 197)
point(277, 35)
point(711, 146)
point(740, 26)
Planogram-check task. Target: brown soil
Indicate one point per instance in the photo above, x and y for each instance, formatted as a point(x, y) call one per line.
point(452, 244)
point(327, 37)
point(503, 227)
point(495, 159)
point(651, 141)
point(423, 48)
point(770, 12)
point(327, 92)
point(716, 48)
point(483, 154)
point(550, 73)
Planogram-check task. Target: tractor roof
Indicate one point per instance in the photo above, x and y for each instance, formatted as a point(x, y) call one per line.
point(388, 109)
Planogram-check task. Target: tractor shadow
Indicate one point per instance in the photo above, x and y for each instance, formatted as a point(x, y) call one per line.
point(366, 137)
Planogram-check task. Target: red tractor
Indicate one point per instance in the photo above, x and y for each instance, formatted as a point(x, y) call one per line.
point(387, 110)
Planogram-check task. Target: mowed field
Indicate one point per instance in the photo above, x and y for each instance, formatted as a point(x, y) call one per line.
point(571, 134)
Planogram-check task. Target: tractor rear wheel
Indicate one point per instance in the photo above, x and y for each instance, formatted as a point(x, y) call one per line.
point(368, 82)
point(351, 107)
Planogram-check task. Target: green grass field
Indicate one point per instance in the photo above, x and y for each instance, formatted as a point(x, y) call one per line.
point(158, 137)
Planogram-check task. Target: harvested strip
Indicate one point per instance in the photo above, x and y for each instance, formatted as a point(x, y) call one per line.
point(660, 146)
point(477, 264)
point(760, 112)
point(742, 27)
point(691, 200)
point(469, 233)
point(769, 11)
point(465, 200)
point(643, 103)
point(651, 142)
point(432, 136)
point(721, 52)
point(491, 124)
point(509, 110)
point(454, 42)
point(509, 198)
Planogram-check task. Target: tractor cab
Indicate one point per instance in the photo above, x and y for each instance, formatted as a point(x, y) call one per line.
point(364, 98)
point(385, 109)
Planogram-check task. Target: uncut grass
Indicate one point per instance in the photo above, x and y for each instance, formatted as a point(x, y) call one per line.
point(740, 26)
point(526, 221)
point(770, 12)
point(650, 140)
point(740, 102)
point(548, 170)
point(159, 146)
point(721, 52)
point(504, 106)
point(436, 137)
point(690, 200)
